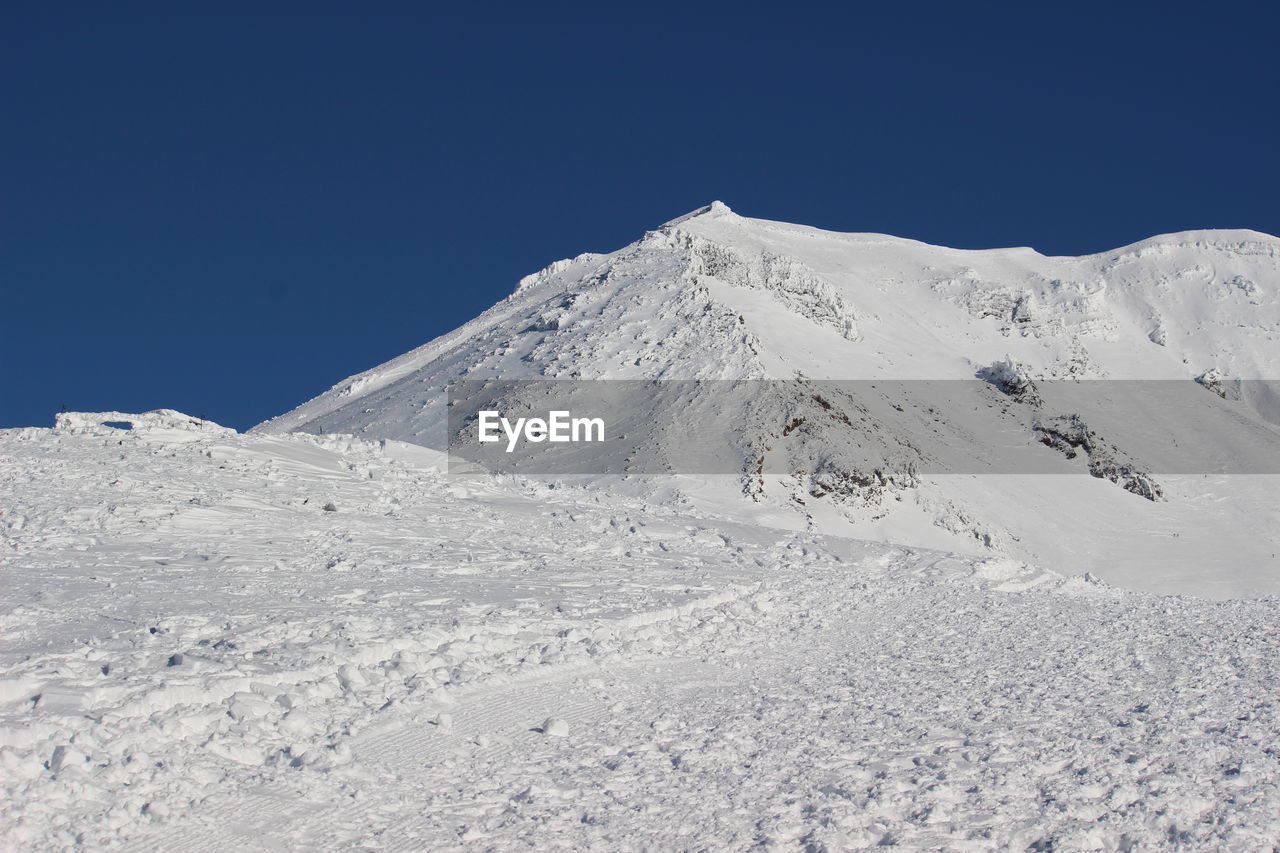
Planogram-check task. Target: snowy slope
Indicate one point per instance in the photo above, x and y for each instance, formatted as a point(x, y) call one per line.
point(213, 641)
point(713, 295)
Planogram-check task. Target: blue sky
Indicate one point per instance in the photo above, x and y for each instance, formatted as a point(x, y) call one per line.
point(226, 208)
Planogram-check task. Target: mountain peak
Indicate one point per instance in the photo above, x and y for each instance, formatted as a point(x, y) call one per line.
point(715, 209)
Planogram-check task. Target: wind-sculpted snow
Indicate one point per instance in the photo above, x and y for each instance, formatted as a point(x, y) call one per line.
point(213, 641)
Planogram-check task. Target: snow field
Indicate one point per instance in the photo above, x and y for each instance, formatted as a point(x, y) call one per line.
point(209, 660)
point(212, 616)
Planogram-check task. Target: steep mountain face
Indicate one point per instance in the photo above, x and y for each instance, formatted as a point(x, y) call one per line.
point(713, 295)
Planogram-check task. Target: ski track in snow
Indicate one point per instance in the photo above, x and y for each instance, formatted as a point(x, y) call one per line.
point(209, 660)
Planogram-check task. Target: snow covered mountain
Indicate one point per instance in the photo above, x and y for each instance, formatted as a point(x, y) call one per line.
point(285, 640)
point(713, 295)
point(716, 295)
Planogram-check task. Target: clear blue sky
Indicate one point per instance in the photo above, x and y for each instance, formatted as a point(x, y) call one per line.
point(226, 208)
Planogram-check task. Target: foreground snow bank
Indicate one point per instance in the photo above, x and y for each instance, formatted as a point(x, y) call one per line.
point(198, 654)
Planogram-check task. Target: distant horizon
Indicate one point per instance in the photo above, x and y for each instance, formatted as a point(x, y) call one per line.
point(227, 211)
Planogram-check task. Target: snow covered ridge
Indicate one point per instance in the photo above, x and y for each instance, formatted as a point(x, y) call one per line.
point(214, 641)
point(714, 296)
point(717, 295)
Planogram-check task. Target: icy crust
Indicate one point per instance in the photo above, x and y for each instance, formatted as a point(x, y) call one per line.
point(319, 642)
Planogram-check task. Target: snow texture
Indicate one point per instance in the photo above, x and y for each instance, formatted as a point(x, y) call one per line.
point(198, 657)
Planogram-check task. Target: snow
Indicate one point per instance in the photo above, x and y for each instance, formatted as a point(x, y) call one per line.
point(197, 656)
point(288, 640)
